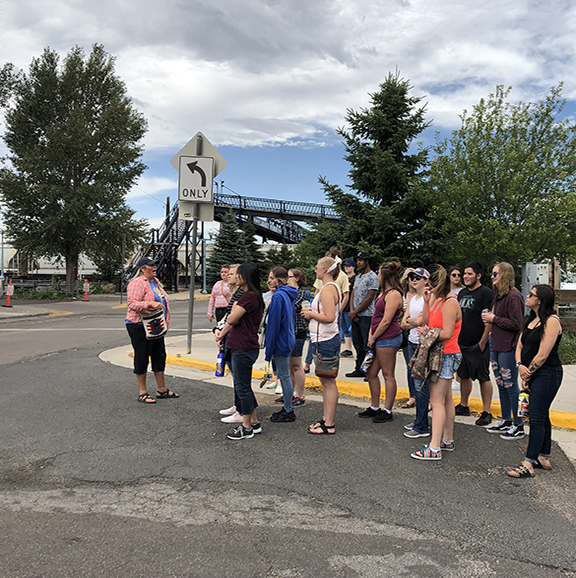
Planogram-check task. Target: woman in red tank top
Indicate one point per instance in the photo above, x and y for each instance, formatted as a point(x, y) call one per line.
point(441, 310)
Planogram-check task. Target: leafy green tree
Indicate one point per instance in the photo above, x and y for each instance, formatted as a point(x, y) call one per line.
point(387, 214)
point(503, 185)
point(73, 138)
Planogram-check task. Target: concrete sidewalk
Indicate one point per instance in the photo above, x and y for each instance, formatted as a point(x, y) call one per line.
point(204, 352)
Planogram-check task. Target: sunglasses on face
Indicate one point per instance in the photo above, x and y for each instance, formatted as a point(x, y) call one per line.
point(495, 274)
point(455, 274)
point(414, 277)
point(533, 295)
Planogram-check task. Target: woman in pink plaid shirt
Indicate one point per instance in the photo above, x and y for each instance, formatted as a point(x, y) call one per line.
point(145, 294)
point(219, 296)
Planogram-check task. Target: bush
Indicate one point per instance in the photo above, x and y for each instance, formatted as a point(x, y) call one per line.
point(567, 348)
point(50, 293)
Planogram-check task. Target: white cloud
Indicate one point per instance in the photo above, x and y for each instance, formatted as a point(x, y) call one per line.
point(269, 72)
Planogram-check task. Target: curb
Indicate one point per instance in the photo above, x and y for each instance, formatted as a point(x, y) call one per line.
point(560, 419)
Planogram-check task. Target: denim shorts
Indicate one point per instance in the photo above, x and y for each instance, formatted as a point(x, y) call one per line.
point(329, 348)
point(298, 348)
point(450, 363)
point(395, 342)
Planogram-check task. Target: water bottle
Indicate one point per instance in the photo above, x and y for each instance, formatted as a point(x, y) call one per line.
point(523, 404)
point(367, 361)
point(219, 364)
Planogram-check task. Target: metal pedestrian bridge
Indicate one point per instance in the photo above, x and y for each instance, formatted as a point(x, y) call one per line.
point(274, 220)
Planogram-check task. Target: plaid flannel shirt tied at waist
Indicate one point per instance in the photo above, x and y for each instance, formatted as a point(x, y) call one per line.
point(426, 362)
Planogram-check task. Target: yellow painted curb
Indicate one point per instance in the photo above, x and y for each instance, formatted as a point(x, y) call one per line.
point(561, 419)
point(56, 313)
point(120, 306)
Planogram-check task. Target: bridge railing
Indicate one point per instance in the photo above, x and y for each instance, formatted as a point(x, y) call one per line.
point(276, 206)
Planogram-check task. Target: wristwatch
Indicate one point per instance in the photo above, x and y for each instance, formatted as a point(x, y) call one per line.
point(518, 364)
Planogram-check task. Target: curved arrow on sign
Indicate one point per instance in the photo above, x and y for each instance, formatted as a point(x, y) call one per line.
point(194, 168)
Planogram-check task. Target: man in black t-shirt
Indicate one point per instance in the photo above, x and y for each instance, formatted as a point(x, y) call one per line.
point(473, 342)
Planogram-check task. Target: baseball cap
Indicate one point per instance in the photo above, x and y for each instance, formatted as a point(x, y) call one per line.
point(350, 263)
point(422, 272)
point(363, 255)
point(145, 261)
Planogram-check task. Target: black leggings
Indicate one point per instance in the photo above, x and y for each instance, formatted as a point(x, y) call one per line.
point(144, 349)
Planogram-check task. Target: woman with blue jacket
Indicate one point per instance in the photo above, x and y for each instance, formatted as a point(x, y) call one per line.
point(280, 337)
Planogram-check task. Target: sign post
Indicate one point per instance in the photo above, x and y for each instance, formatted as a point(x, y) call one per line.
point(196, 174)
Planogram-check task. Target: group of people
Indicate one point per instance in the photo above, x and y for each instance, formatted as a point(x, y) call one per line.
point(449, 325)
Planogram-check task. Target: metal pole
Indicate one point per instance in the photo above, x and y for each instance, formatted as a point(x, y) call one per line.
point(2, 266)
point(204, 292)
point(122, 267)
point(193, 262)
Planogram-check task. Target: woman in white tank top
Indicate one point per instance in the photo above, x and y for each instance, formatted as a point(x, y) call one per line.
point(325, 337)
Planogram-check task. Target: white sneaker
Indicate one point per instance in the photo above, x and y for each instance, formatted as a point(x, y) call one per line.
point(271, 384)
point(278, 390)
point(234, 418)
point(229, 411)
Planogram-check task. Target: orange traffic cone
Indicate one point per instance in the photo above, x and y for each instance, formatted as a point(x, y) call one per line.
point(9, 291)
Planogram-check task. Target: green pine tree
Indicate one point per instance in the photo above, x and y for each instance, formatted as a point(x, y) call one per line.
point(228, 248)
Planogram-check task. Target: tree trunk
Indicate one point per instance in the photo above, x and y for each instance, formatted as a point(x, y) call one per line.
point(71, 273)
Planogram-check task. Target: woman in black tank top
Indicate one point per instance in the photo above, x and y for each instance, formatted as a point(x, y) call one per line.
point(540, 369)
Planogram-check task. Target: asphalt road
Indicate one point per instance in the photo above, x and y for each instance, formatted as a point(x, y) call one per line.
point(94, 484)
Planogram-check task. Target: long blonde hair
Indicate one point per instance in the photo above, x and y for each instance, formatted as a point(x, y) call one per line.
point(505, 281)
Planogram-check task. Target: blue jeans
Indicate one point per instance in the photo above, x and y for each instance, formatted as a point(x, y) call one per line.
point(421, 424)
point(506, 375)
point(242, 363)
point(310, 353)
point(408, 352)
point(345, 323)
point(360, 330)
point(543, 389)
point(283, 374)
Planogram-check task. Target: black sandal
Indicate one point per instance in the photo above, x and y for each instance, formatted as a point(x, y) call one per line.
point(144, 397)
point(166, 394)
point(324, 429)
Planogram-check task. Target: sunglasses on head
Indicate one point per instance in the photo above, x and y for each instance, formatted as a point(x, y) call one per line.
point(414, 277)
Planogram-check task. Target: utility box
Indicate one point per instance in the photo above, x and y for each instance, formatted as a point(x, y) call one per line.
point(536, 274)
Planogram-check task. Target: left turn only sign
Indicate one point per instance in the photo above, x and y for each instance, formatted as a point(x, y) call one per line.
point(196, 179)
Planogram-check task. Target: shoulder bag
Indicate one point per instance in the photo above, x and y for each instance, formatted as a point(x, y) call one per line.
point(155, 324)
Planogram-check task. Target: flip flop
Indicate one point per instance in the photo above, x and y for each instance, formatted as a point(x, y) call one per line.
point(408, 405)
point(520, 472)
point(539, 466)
point(145, 398)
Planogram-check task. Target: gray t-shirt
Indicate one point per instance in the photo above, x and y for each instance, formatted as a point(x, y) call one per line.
point(363, 284)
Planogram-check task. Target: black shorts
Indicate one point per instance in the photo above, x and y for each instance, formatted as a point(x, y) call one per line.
point(144, 349)
point(475, 363)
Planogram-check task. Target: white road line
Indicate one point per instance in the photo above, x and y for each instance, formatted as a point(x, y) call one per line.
point(79, 329)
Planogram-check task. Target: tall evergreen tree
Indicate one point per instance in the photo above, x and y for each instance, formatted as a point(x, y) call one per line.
point(387, 214)
point(73, 139)
point(228, 248)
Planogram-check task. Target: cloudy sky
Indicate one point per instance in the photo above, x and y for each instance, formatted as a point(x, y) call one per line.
point(268, 81)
